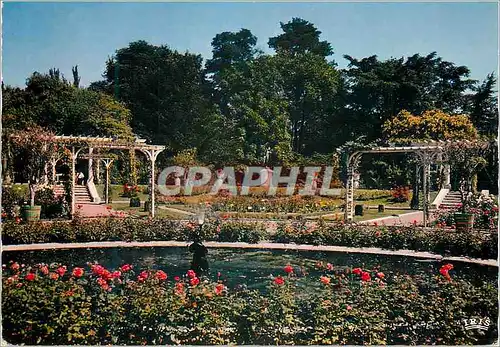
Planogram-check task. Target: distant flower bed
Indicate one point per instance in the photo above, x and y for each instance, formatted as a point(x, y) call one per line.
point(295, 204)
point(437, 240)
point(53, 304)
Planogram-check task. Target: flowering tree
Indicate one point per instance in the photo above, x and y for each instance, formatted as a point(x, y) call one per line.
point(36, 146)
point(467, 159)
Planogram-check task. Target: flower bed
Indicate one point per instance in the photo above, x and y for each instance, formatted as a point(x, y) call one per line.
point(440, 241)
point(484, 209)
point(53, 304)
point(295, 204)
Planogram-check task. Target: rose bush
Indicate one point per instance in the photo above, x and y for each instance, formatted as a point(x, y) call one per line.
point(437, 240)
point(112, 306)
point(484, 209)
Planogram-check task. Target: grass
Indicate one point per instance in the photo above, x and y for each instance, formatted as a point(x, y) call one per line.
point(373, 214)
point(139, 211)
point(115, 192)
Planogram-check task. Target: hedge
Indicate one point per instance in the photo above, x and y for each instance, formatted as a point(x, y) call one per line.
point(55, 305)
point(437, 240)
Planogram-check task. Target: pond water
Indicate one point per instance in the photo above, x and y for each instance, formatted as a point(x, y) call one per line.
point(252, 268)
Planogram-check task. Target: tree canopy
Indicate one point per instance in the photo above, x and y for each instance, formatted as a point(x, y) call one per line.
point(242, 106)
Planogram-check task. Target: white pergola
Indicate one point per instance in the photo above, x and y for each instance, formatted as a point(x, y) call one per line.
point(79, 143)
point(426, 153)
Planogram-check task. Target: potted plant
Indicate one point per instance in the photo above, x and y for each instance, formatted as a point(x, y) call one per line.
point(36, 146)
point(466, 158)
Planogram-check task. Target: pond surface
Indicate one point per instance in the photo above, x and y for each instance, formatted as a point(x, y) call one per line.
point(252, 268)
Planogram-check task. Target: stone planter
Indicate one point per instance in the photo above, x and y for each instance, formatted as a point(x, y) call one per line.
point(31, 213)
point(464, 221)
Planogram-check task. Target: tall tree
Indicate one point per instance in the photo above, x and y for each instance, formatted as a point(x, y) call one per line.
point(52, 102)
point(379, 90)
point(310, 84)
point(76, 76)
point(299, 37)
point(483, 106)
point(164, 90)
point(228, 68)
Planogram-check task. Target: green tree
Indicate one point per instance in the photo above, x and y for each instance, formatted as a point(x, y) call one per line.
point(164, 89)
point(483, 106)
point(379, 90)
point(300, 37)
point(53, 103)
point(310, 85)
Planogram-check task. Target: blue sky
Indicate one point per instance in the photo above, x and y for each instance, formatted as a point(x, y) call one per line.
point(38, 36)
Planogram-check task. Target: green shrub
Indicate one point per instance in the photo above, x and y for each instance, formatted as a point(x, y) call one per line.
point(12, 196)
point(135, 202)
point(439, 241)
point(134, 307)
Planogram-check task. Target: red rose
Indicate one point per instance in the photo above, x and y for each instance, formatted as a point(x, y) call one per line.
point(30, 277)
point(447, 267)
point(97, 269)
point(279, 280)
point(288, 269)
point(179, 288)
point(78, 272)
point(15, 266)
point(53, 276)
point(126, 268)
point(116, 274)
point(177, 279)
point(219, 288)
point(44, 269)
point(142, 276)
point(61, 270)
point(365, 276)
point(18, 220)
point(348, 308)
point(444, 271)
point(325, 280)
point(191, 274)
point(329, 267)
point(357, 271)
point(162, 276)
point(194, 281)
point(380, 275)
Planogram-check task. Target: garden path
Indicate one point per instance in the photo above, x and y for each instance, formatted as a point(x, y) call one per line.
point(93, 210)
point(402, 219)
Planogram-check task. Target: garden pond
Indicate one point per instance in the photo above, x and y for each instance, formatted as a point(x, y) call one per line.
point(253, 269)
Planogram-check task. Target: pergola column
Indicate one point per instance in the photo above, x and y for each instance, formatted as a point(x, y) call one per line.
point(425, 159)
point(447, 176)
point(74, 155)
point(152, 154)
point(73, 178)
point(98, 172)
point(107, 163)
point(90, 171)
point(352, 164)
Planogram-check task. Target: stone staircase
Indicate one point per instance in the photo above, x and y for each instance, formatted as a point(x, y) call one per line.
point(450, 201)
point(82, 195)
